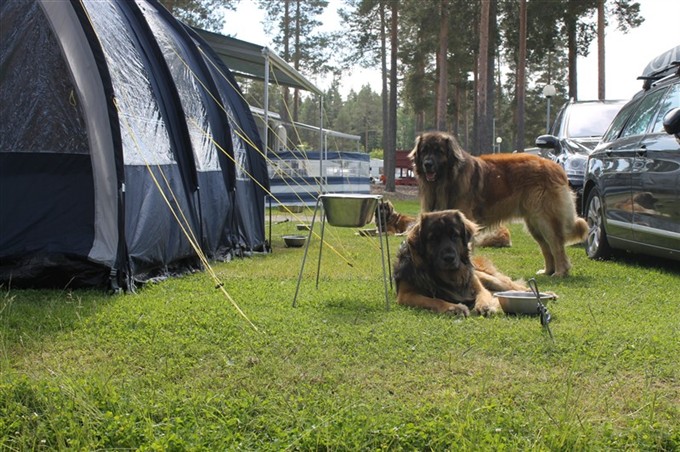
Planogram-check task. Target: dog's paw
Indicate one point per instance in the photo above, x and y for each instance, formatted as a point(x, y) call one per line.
point(457, 309)
point(543, 271)
point(489, 309)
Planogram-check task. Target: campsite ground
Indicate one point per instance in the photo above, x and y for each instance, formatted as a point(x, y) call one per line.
point(401, 193)
point(175, 366)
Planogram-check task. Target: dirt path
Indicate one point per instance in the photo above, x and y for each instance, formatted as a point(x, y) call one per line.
point(403, 192)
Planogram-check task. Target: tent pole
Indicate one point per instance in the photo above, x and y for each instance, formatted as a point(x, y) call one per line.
point(322, 153)
point(265, 141)
point(265, 52)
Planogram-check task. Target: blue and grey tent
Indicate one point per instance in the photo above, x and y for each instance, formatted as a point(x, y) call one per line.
point(126, 148)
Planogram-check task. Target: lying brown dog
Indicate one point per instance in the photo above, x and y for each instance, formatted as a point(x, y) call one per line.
point(395, 222)
point(399, 223)
point(435, 269)
point(495, 238)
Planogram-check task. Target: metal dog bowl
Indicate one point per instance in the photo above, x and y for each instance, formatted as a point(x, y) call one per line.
point(349, 210)
point(291, 209)
point(302, 227)
point(519, 302)
point(368, 232)
point(294, 241)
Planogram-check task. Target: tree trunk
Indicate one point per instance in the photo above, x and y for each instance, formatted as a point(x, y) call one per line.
point(390, 152)
point(420, 75)
point(488, 127)
point(457, 114)
point(499, 105)
point(482, 79)
point(296, 60)
point(383, 69)
point(442, 66)
point(283, 109)
point(572, 55)
point(600, 51)
point(521, 74)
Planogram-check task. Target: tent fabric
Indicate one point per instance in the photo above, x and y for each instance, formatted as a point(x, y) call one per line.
point(118, 147)
point(250, 168)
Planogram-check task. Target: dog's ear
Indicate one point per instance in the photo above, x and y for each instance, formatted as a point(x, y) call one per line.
point(455, 152)
point(471, 228)
point(414, 153)
point(416, 246)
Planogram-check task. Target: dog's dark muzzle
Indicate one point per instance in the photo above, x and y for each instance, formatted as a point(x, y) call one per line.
point(430, 169)
point(449, 258)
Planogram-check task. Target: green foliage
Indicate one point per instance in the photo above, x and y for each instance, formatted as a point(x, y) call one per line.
point(174, 367)
point(377, 154)
point(296, 25)
point(206, 14)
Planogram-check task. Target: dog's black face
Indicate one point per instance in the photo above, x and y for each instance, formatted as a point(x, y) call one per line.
point(442, 239)
point(434, 154)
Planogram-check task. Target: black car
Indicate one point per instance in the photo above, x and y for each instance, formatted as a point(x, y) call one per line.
point(632, 186)
point(577, 129)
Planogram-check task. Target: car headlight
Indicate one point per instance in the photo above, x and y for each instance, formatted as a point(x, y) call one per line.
point(576, 165)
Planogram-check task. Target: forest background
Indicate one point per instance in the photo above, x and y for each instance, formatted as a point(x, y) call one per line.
point(473, 68)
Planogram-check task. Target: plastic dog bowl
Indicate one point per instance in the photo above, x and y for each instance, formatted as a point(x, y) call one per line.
point(294, 241)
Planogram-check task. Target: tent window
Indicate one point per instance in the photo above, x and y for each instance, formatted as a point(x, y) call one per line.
point(189, 89)
point(240, 155)
point(46, 114)
point(145, 137)
point(238, 135)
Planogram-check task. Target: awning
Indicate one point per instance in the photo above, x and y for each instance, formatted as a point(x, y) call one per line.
point(248, 60)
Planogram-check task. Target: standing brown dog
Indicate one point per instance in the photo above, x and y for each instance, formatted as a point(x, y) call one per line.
point(435, 269)
point(500, 187)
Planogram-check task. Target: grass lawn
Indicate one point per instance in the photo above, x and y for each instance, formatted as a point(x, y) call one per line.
point(176, 367)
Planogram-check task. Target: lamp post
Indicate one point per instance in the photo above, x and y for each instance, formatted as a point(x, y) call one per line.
point(499, 140)
point(548, 91)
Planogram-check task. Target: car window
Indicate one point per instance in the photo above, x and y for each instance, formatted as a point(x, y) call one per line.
point(617, 125)
point(558, 122)
point(591, 119)
point(643, 115)
point(670, 101)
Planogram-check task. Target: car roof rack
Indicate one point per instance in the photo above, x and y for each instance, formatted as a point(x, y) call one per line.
point(663, 65)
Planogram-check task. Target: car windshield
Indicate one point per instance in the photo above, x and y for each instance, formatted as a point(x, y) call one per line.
point(590, 120)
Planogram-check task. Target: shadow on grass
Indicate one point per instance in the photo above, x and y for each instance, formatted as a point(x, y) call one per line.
point(646, 262)
point(355, 311)
point(34, 315)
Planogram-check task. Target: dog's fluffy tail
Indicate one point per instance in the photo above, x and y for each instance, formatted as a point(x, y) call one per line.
point(575, 228)
point(578, 232)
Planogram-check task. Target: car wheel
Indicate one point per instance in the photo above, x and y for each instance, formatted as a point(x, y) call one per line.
point(597, 246)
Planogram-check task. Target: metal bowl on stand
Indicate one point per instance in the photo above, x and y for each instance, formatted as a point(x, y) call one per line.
point(349, 210)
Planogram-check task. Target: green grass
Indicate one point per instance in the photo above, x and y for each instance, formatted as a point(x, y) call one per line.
point(175, 367)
